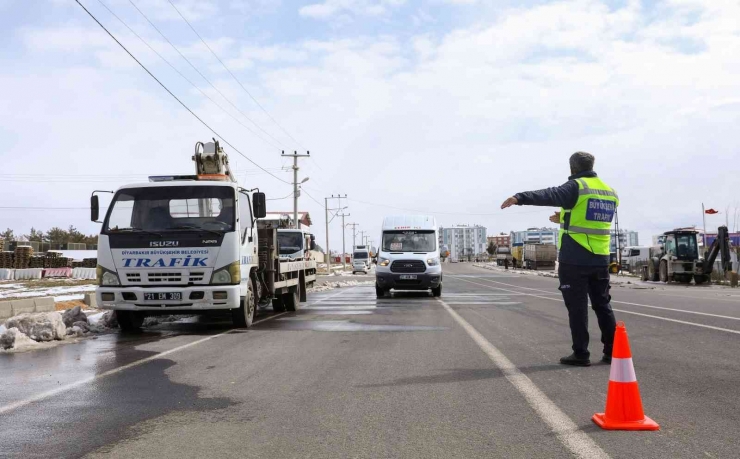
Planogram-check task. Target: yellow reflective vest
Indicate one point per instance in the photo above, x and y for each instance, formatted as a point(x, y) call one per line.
point(590, 220)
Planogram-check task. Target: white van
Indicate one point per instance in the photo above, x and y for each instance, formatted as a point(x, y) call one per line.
point(361, 259)
point(408, 256)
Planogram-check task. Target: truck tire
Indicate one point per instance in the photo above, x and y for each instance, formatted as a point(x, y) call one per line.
point(292, 299)
point(644, 273)
point(129, 321)
point(277, 304)
point(653, 271)
point(663, 271)
point(243, 316)
point(437, 292)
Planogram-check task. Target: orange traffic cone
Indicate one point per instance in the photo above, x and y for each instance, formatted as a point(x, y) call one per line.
point(623, 402)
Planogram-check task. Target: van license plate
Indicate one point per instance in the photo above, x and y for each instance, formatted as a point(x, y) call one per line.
point(408, 276)
point(167, 296)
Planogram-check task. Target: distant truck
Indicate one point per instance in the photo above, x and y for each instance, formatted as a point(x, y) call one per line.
point(517, 256)
point(503, 254)
point(633, 258)
point(361, 259)
point(295, 244)
point(539, 256)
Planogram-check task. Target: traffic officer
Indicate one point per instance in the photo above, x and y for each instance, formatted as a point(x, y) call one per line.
point(587, 209)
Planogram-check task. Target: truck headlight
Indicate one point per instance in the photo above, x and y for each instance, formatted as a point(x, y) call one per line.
point(384, 262)
point(230, 274)
point(433, 261)
point(106, 278)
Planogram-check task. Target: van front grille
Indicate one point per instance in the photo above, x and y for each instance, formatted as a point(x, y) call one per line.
point(408, 266)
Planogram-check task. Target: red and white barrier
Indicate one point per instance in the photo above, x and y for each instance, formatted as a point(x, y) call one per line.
point(58, 272)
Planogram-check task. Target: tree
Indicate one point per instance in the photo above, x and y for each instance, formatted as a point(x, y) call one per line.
point(491, 248)
point(8, 235)
point(57, 236)
point(73, 235)
point(35, 235)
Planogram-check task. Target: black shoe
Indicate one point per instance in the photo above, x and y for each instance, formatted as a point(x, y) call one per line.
point(576, 361)
point(606, 358)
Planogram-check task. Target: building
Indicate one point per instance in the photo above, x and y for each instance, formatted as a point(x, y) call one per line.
point(500, 240)
point(463, 241)
point(626, 239)
point(535, 236)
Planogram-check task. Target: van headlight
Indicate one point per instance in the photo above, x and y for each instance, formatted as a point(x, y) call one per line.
point(106, 278)
point(230, 274)
point(433, 261)
point(383, 262)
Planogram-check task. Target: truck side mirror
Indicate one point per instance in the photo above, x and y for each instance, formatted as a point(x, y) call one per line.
point(313, 245)
point(94, 208)
point(259, 205)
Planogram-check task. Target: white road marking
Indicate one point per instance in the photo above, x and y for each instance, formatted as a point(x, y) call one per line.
point(81, 382)
point(577, 441)
point(737, 332)
point(332, 296)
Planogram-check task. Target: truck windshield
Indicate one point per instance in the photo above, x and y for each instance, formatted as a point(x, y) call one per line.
point(290, 242)
point(409, 241)
point(175, 208)
point(361, 255)
point(686, 246)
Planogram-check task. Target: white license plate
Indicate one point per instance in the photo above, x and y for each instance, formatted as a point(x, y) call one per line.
point(168, 296)
point(408, 276)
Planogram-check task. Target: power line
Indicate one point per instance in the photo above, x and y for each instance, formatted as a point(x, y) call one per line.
point(314, 199)
point(196, 69)
point(444, 213)
point(235, 78)
point(175, 97)
point(279, 199)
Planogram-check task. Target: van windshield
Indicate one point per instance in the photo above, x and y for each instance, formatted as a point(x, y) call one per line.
point(409, 241)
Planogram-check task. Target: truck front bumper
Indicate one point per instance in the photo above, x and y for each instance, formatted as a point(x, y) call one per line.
point(423, 281)
point(194, 298)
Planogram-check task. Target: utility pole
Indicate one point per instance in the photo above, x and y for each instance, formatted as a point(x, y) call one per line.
point(344, 250)
point(354, 233)
point(296, 193)
point(326, 210)
point(362, 237)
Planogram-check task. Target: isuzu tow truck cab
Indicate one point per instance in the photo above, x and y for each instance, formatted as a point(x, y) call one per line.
point(193, 244)
point(295, 244)
point(408, 256)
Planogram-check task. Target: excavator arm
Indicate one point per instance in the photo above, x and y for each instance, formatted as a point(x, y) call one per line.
point(721, 245)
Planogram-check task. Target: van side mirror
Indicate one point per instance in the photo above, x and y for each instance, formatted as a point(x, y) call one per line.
point(259, 205)
point(94, 208)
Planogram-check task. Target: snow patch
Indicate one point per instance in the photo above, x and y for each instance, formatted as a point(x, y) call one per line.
point(332, 285)
point(39, 326)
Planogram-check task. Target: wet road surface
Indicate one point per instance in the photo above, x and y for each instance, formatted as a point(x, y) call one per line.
point(473, 375)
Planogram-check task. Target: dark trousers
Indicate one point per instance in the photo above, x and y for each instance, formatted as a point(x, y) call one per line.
point(578, 284)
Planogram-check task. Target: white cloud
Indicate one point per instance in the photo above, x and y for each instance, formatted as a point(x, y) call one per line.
point(332, 8)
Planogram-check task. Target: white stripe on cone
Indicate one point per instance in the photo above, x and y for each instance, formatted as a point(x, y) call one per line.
point(622, 370)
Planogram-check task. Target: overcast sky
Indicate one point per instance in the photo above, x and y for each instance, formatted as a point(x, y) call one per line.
point(444, 107)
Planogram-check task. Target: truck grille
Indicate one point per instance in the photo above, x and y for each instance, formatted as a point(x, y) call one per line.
point(408, 266)
point(133, 277)
point(164, 277)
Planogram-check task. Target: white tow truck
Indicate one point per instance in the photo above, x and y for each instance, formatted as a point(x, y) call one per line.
point(194, 244)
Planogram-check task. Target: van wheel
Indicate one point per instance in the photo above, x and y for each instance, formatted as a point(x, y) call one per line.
point(379, 292)
point(277, 304)
point(243, 316)
point(437, 292)
point(130, 321)
point(292, 299)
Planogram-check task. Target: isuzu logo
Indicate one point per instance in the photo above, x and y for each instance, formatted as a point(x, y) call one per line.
point(164, 243)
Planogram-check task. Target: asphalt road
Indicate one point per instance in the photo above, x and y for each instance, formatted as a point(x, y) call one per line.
point(472, 375)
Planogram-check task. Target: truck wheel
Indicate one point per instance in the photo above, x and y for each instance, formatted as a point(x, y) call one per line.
point(278, 305)
point(652, 271)
point(243, 316)
point(292, 299)
point(129, 321)
point(663, 271)
point(437, 292)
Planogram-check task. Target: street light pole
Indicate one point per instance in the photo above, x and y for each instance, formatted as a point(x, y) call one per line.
point(296, 193)
point(344, 250)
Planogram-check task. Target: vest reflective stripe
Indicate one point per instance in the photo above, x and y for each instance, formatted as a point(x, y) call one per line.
point(582, 230)
point(622, 370)
point(586, 191)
